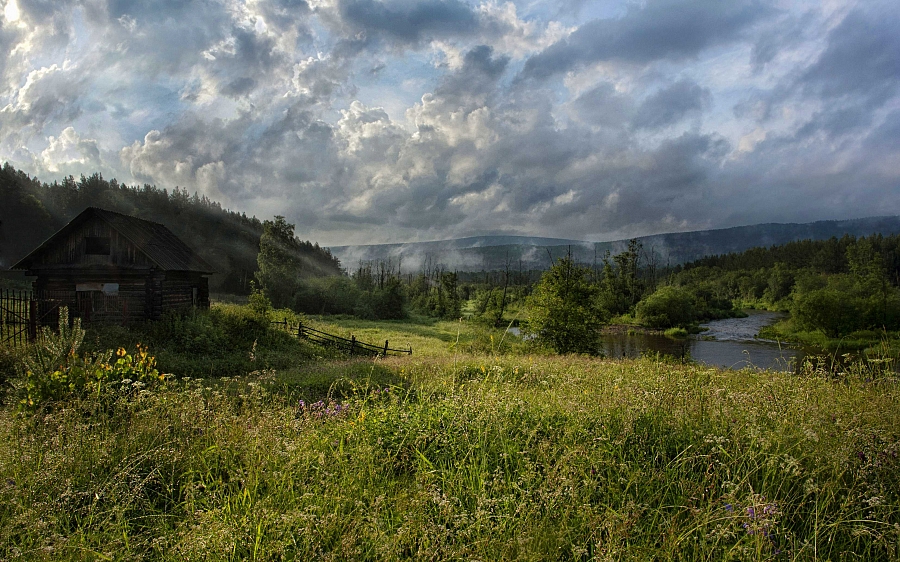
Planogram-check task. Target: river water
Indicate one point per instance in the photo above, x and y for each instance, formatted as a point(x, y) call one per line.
point(728, 343)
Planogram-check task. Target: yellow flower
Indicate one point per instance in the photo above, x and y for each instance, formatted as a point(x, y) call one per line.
point(120, 352)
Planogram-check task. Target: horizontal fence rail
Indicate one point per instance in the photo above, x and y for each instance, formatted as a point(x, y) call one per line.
point(351, 345)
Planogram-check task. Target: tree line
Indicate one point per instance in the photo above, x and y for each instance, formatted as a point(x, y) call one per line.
point(229, 241)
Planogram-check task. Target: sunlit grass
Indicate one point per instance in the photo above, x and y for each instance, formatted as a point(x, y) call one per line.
point(466, 457)
point(426, 336)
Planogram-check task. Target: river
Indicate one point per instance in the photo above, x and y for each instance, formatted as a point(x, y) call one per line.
point(730, 343)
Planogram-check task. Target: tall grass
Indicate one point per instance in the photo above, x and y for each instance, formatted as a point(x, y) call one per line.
point(488, 458)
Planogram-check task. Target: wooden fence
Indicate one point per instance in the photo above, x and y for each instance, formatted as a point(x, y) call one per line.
point(18, 314)
point(352, 346)
point(23, 313)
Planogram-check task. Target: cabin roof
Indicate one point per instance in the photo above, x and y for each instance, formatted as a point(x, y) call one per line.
point(156, 241)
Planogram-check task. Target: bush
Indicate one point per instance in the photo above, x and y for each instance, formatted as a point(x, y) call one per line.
point(54, 370)
point(847, 305)
point(563, 310)
point(9, 364)
point(668, 307)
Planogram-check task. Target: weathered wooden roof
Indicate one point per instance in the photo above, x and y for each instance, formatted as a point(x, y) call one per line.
point(156, 241)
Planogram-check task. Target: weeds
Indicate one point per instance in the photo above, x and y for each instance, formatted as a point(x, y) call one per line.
point(500, 458)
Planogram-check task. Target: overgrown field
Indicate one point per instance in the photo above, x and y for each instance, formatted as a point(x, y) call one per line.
point(461, 456)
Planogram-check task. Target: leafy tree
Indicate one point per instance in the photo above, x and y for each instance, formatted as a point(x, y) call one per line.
point(563, 309)
point(279, 262)
point(621, 286)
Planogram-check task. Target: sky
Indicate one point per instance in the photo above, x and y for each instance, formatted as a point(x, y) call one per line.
point(369, 121)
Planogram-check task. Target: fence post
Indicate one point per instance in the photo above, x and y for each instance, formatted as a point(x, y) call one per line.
point(352, 344)
point(385, 348)
point(32, 320)
point(299, 329)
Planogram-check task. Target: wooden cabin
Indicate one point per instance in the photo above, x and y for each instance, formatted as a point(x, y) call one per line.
point(111, 267)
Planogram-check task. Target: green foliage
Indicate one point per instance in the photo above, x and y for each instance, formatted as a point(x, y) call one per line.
point(258, 301)
point(55, 371)
point(563, 309)
point(622, 286)
point(436, 294)
point(513, 458)
point(676, 333)
point(668, 307)
point(279, 265)
point(846, 304)
point(226, 340)
point(383, 300)
point(227, 240)
point(10, 362)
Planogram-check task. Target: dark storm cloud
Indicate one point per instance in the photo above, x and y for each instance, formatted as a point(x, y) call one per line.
point(782, 35)
point(671, 104)
point(603, 106)
point(862, 58)
point(835, 122)
point(409, 21)
point(661, 29)
point(886, 138)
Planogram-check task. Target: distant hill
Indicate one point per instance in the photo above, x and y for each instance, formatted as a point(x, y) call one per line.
point(31, 211)
point(493, 252)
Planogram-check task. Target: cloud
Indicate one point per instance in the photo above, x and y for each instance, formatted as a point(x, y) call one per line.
point(602, 105)
point(861, 59)
point(671, 104)
point(371, 121)
point(409, 21)
point(70, 151)
point(658, 29)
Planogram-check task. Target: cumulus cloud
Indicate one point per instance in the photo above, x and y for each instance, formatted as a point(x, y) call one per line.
point(376, 121)
point(70, 150)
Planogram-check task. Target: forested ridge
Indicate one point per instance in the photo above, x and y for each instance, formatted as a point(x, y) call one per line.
point(32, 211)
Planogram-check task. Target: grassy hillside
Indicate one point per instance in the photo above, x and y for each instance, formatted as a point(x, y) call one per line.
point(450, 454)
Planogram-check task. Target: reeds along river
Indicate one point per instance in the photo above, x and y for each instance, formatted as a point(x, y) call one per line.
point(729, 343)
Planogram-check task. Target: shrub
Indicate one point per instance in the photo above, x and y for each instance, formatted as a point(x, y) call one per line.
point(563, 310)
point(9, 363)
point(55, 371)
point(666, 308)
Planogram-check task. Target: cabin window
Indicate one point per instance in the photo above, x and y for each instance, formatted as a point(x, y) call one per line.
point(96, 246)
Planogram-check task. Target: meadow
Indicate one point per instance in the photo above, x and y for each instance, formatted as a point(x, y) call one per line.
point(474, 448)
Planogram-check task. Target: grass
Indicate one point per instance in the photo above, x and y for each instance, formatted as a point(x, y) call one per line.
point(450, 455)
point(872, 343)
point(426, 336)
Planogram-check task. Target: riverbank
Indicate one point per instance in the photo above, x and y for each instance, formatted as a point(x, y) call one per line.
point(869, 343)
